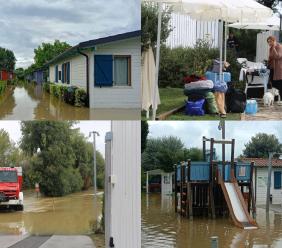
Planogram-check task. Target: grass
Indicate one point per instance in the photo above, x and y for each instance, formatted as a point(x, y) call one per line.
point(172, 98)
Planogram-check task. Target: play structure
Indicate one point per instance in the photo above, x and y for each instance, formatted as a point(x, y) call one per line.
point(216, 188)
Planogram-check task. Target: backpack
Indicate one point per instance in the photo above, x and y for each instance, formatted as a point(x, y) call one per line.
point(195, 108)
point(235, 101)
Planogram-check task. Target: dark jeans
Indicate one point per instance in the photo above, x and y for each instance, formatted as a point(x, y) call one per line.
point(278, 85)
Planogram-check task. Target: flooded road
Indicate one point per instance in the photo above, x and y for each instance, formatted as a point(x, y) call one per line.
point(162, 227)
point(72, 214)
point(30, 102)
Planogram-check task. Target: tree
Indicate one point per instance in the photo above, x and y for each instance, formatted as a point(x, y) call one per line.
point(49, 145)
point(269, 3)
point(144, 134)
point(162, 153)
point(194, 154)
point(7, 59)
point(260, 145)
point(149, 23)
point(83, 152)
point(47, 51)
point(19, 72)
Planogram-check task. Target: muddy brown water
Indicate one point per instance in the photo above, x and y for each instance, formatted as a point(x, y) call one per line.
point(69, 215)
point(162, 227)
point(30, 102)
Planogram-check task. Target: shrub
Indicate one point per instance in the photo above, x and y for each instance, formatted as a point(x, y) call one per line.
point(69, 95)
point(177, 63)
point(80, 97)
point(3, 86)
point(46, 87)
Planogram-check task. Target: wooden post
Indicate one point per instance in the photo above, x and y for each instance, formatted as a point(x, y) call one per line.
point(211, 184)
point(189, 192)
point(251, 191)
point(175, 188)
point(147, 182)
point(204, 149)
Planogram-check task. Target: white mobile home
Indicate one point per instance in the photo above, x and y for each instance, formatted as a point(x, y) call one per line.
point(108, 69)
point(260, 180)
point(123, 185)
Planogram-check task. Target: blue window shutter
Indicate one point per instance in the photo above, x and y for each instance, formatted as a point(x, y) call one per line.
point(56, 73)
point(68, 72)
point(103, 75)
point(277, 179)
point(63, 72)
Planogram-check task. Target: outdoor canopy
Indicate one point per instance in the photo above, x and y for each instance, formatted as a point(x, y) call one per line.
point(224, 10)
point(272, 23)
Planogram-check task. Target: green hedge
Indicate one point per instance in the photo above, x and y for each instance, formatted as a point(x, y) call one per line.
point(3, 86)
point(69, 94)
point(177, 63)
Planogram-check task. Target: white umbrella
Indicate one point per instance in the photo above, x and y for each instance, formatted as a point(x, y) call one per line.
point(148, 81)
point(226, 10)
point(272, 23)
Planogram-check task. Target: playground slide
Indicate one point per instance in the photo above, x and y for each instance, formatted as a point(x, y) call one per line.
point(237, 207)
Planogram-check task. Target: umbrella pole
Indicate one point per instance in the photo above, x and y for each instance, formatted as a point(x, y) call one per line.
point(225, 41)
point(157, 61)
point(220, 48)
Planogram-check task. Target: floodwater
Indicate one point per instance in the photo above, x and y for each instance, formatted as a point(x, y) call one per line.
point(162, 227)
point(69, 215)
point(30, 102)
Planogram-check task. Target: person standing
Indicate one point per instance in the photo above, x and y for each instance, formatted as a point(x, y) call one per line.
point(275, 63)
point(232, 42)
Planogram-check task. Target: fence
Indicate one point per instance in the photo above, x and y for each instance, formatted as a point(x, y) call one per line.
point(186, 31)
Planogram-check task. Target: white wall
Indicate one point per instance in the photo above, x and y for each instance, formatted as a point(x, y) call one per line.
point(107, 97)
point(186, 31)
point(77, 71)
point(123, 190)
point(118, 96)
point(167, 183)
point(262, 46)
point(262, 187)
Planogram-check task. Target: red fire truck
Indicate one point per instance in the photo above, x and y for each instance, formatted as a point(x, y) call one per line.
point(11, 196)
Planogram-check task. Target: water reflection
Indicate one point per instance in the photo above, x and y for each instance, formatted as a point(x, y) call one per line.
point(161, 227)
point(31, 102)
point(72, 214)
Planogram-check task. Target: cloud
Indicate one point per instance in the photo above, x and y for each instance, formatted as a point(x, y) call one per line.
point(191, 132)
point(26, 24)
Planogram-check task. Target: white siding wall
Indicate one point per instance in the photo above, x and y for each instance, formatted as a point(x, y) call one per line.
point(77, 71)
point(262, 187)
point(118, 96)
point(123, 194)
point(52, 73)
point(186, 31)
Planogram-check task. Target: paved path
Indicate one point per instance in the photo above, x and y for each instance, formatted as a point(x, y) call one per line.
point(56, 241)
point(265, 113)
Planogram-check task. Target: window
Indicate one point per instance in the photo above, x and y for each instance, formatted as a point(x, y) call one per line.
point(122, 70)
point(8, 176)
point(277, 179)
point(60, 75)
point(112, 70)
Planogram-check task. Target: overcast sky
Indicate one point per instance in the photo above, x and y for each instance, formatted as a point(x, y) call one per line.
point(26, 24)
point(191, 132)
point(14, 130)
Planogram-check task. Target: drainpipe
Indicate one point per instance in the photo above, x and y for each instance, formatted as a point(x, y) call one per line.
point(87, 74)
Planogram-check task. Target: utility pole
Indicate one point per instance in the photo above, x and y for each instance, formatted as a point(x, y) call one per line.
point(94, 133)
